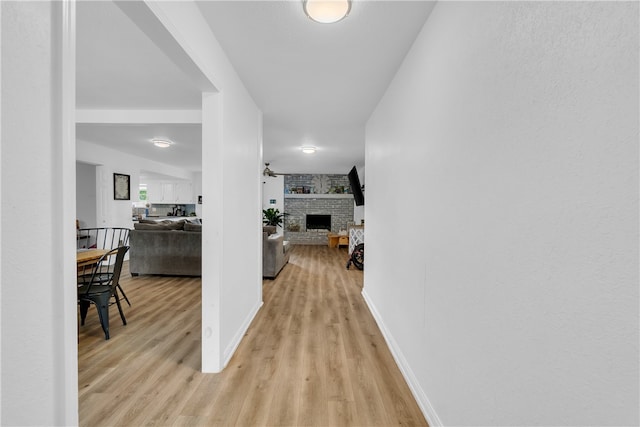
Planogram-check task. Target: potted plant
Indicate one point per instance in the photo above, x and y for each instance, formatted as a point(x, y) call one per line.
point(273, 216)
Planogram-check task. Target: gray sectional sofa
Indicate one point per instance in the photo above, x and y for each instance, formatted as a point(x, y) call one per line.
point(168, 247)
point(175, 248)
point(275, 252)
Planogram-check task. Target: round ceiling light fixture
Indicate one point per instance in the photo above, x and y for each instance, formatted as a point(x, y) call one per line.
point(327, 11)
point(308, 150)
point(162, 143)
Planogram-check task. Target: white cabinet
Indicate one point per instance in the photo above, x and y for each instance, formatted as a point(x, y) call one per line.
point(154, 192)
point(169, 192)
point(184, 192)
point(165, 192)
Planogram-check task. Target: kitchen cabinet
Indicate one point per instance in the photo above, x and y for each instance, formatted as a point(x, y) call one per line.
point(154, 192)
point(179, 192)
point(184, 192)
point(168, 192)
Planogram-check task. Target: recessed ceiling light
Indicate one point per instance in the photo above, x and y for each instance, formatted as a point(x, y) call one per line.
point(326, 11)
point(308, 150)
point(162, 143)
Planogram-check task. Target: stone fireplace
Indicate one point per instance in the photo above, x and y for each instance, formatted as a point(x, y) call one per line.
point(311, 215)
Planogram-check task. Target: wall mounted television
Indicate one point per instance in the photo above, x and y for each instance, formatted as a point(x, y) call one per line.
point(356, 188)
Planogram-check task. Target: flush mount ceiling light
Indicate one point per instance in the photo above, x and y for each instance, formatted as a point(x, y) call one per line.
point(326, 11)
point(308, 150)
point(162, 143)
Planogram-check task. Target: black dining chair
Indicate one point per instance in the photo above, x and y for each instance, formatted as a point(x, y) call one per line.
point(101, 238)
point(101, 286)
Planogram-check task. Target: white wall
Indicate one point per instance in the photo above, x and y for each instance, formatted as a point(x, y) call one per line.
point(504, 157)
point(273, 189)
point(38, 306)
point(86, 195)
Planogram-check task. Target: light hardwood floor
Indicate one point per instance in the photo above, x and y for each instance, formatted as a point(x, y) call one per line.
point(312, 357)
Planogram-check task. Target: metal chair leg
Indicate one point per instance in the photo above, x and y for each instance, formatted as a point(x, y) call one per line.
point(123, 294)
point(117, 297)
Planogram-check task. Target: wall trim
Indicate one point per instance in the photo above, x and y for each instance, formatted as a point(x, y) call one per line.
point(417, 391)
point(237, 338)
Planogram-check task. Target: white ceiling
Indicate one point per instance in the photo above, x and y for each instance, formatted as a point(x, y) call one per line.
point(135, 139)
point(117, 66)
point(316, 84)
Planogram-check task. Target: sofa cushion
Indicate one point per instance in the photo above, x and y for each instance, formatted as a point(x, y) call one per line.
point(164, 225)
point(148, 221)
point(148, 226)
point(192, 227)
point(175, 225)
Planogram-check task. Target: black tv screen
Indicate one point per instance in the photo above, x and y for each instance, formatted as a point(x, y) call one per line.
point(356, 188)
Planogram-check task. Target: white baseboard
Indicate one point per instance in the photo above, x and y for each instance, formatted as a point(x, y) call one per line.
point(417, 391)
point(237, 338)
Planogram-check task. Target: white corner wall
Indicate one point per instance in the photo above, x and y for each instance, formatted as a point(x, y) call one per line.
point(38, 338)
point(504, 159)
point(231, 209)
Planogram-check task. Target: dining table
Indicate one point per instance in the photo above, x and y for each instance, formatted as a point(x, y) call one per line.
point(87, 257)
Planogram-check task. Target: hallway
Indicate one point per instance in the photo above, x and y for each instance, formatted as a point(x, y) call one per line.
point(313, 356)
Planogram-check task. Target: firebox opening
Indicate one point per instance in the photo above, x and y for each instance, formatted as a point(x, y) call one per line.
point(318, 222)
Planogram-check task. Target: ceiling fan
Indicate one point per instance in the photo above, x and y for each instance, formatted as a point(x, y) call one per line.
point(269, 172)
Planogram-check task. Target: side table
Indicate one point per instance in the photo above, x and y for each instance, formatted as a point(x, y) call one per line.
point(336, 240)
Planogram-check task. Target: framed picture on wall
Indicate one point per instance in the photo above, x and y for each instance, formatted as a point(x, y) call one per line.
point(121, 187)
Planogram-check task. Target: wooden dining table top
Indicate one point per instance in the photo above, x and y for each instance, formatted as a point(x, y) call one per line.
point(89, 256)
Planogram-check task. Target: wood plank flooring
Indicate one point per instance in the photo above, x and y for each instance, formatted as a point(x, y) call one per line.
point(312, 357)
